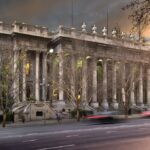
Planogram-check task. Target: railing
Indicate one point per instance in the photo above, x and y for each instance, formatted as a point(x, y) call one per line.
point(24, 29)
point(5, 28)
point(73, 33)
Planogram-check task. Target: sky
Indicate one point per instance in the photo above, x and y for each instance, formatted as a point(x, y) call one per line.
point(52, 13)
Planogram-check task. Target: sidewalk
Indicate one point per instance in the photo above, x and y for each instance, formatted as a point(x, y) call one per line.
point(38, 123)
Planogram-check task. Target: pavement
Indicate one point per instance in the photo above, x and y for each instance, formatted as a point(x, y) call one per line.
point(54, 121)
point(39, 123)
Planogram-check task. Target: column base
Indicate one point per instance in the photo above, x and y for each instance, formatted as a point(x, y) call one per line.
point(115, 105)
point(85, 106)
point(148, 105)
point(95, 105)
point(59, 105)
point(105, 105)
point(133, 105)
point(140, 104)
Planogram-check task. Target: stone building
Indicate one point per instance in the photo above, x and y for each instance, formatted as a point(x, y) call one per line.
point(62, 69)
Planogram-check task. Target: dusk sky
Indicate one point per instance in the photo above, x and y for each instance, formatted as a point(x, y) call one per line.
point(52, 13)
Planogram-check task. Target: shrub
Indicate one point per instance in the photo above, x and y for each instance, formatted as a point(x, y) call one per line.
point(9, 116)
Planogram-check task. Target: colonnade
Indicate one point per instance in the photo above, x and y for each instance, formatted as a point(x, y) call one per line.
point(95, 102)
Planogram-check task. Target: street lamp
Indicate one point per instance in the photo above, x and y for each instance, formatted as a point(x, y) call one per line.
point(51, 50)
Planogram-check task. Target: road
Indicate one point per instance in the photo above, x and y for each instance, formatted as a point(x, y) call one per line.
point(131, 135)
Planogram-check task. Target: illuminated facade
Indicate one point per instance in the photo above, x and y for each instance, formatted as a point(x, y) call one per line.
point(63, 67)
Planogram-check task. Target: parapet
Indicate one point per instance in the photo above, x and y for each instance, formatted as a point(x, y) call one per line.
point(95, 37)
point(24, 28)
point(34, 30)
point(5, 28)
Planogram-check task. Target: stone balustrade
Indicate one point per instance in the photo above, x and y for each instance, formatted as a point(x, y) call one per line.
point(23, 28)
point(98, 38)
point(5, 28)
point(30, 29)
point(35, 30)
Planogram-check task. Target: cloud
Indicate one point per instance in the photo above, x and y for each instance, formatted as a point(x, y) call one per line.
point(51, 13)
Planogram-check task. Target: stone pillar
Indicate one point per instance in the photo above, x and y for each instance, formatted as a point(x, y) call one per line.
point(132, 86)
point(123, 74)
point(61, 103)
point(73, 78)
point(114, 86)
point(140, 100)
point(94, 84)
point(16, 77)
point(44, 76)
point(61, 76)
point(24, 79)
point(148, 86)
point(105, 102)
point(84, 83)
point(37, 60)
point(0, 72)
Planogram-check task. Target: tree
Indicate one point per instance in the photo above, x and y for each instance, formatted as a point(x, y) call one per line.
point(74, 80)
point(140, 14)
point(7, 79)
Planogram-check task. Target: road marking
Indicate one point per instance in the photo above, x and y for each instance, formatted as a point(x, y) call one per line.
point(108, 132)
point(58, 147)
point(30, 141)
point(78, 130)
point(68, 136)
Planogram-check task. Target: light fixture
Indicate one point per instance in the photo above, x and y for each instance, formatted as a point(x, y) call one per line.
point(88, 57)
point(27, 68)
point(100, 60)
point(51, 50)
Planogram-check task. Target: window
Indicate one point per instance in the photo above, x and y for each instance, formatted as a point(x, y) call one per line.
point(27, 68)
point(39, 113)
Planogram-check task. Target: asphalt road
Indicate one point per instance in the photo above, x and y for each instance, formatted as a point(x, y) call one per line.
point(131, 135)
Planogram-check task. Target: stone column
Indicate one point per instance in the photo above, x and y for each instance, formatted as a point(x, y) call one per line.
point(0, 77)
point(72, 82)
point(16, 77)
point(61, 76)
point(123, 74)
point(148, 86)
point(37, 60)
point(44, 76)
point(24, 79)
point(105, 102)
point(114, 86)
point(84, 83)
point(140, 100)
point(61, 103)
point(94, 84)
point(132, 86)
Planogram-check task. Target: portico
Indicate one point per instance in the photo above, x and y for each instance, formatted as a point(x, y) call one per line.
point(79, 63)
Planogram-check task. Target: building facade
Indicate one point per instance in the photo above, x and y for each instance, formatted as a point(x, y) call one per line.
point(62, 69)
